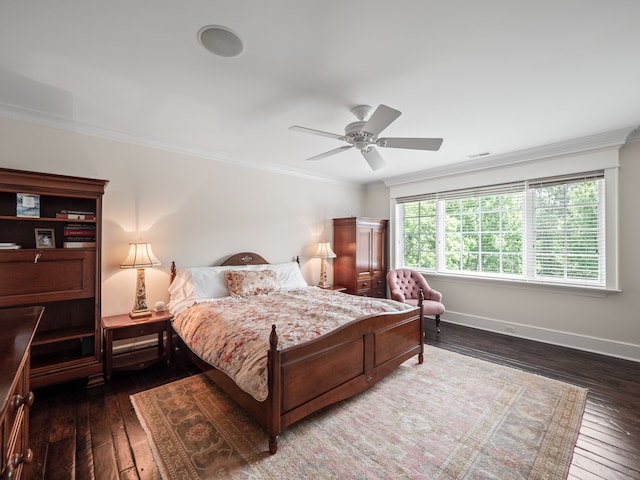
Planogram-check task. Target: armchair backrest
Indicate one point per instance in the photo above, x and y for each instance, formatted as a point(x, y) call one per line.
point(406, 284)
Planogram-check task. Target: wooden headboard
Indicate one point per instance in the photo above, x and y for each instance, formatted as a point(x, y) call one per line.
point(245, 258)
point(242, 258)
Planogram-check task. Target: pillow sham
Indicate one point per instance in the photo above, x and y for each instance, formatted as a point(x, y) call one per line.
point(251, 282)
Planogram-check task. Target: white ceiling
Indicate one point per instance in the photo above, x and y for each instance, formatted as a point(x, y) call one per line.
point(486, 75)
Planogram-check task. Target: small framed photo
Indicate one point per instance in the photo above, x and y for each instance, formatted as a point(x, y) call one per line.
point(27, 205)
point(45, 238)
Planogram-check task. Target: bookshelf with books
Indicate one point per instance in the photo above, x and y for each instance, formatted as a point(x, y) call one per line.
point(63, 274)
point(79, 235)
point(76, 215)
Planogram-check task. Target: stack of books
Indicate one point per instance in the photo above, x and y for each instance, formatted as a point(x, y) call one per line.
point(76, 215)
point(79, 235)
point(9, 246)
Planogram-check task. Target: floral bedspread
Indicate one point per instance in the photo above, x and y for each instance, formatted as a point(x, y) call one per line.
point(232, 334)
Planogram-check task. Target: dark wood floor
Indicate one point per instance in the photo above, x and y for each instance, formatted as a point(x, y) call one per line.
point(94, 433)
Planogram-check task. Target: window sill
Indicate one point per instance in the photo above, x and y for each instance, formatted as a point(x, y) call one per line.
point(558, 288)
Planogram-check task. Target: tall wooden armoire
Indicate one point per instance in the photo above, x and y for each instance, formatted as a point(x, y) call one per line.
point(360, 245)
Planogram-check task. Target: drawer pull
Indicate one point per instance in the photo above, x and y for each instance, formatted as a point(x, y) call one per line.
point(38, 255)
point(15, 462)
point(18, 400)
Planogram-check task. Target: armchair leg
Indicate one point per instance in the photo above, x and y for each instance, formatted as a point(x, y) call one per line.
point(437, 319)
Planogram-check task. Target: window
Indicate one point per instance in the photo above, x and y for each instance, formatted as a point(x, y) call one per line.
point(568, 233)
point(544, 230)
point(419, 234)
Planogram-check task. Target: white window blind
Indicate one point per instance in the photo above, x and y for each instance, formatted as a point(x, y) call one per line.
point(567, 227)
point(542, 230)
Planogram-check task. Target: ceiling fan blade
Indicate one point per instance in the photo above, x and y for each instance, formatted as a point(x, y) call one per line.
point(296, 128)
point(380, 119)
point(412, 143)
point(373, 158)
point(331, 152)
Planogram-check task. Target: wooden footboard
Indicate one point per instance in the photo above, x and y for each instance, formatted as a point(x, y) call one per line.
point(338, 365)
point(333, 367)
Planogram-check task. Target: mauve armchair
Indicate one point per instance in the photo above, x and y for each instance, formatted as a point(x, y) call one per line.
point(405, 285)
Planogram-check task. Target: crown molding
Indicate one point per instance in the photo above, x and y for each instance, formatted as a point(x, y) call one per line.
point(634, 136)
point(35, 117)
point(615, 138)
point(612, 139)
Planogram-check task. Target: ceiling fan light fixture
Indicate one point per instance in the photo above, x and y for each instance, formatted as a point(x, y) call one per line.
point(363, 135)
point(221, 41)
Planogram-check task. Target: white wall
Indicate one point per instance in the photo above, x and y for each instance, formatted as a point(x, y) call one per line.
point(607, 324)
point(376, 201)
point(194, 211)
point(198, 211)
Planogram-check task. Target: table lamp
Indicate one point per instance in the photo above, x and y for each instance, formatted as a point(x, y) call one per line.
point(140, 256)
point(323, 252)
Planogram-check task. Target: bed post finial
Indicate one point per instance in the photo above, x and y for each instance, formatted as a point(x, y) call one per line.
point(273, 338)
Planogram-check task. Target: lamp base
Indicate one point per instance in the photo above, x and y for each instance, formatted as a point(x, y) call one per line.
point(140, 308)
point(139, 313)
point(323, 283)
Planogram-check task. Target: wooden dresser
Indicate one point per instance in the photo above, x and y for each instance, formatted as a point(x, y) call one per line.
point(17, 328)
point(360, 245)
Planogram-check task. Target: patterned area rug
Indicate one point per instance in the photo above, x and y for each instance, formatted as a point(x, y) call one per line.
point(454, 417)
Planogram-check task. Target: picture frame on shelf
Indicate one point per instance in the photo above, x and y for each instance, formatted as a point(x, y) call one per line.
point(27, 205)
point(45, 238)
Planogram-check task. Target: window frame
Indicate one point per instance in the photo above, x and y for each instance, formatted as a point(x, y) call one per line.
point(609, 235)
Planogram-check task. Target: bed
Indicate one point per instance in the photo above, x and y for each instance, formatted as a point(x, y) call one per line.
point(304, 368)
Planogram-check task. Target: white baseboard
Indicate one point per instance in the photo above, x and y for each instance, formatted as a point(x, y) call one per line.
point(627, 351)
point(129, 345)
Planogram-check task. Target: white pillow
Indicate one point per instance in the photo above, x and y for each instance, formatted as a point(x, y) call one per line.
point(199, 283)
point(209, 282)
point(289, 275)
point(182, 286)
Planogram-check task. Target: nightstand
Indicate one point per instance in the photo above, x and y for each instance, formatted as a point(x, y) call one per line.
point(121, 327)
point(337, 288)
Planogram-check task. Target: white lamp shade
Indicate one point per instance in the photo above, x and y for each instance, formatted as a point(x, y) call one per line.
point(324, 250)
point(140, 256)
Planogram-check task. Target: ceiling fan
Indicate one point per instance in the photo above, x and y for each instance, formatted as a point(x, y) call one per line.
point(363, 135)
